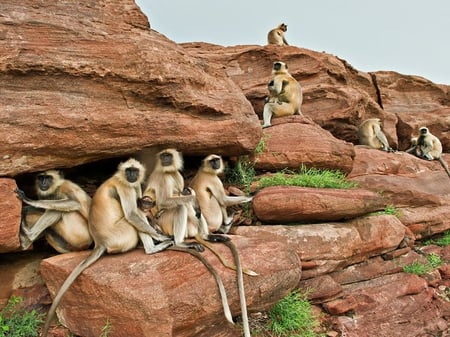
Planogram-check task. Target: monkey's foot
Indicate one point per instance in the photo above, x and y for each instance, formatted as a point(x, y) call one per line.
point(266, 126)
point(25, 242)
point(217, 238)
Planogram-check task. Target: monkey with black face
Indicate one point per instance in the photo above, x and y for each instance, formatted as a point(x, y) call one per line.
point(211, 196)
point(428, 146)
point(176, 206)
point(370, 134)
point(61, 214)
point(276, 36)
point(285, 95)
point(116, 224)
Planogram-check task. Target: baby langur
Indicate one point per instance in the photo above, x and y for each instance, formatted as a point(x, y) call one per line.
point(276, 36)
point(116, 223)
point(61, 214)
point(211, 196)
point(428, 146)
point(285, 95)
point(370, 134)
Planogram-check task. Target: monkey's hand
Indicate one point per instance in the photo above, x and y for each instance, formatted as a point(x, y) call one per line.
point(20, 194)
point(217, 238)
point(197, 246)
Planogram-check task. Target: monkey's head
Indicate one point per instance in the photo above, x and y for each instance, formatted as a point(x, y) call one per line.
point(131, 172)
point(47, 182)
point(279, 68)
point(423, 131)
point(170, 160)
point(283, 27)
point(146, 203)
point(213, 164)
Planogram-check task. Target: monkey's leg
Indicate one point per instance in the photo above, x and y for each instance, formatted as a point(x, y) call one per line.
point(240, 282)
point(411, 149)
point(149, 245)
point(49, 218)
point(267, 115)
point(180, 228)
point(223, 294)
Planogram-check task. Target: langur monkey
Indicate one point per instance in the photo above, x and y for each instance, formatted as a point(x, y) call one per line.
point(285, 94)
point(428, 146)
point(61, 214)
point(177, 213)
point(276, 36)
point(116, 224)
point(370, 134)
point(211, 196)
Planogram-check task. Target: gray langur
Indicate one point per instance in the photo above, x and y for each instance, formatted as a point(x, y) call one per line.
point(211, 196)
point(60, 213)
point(116, 224)
point(427, 146)
point(371, 135)
point(285, 95)
point(276, 36)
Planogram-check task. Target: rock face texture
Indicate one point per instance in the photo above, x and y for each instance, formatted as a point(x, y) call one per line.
point(76, 78)
point(92, 82)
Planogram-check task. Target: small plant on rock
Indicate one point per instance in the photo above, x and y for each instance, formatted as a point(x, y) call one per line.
point(433, 261)
point(242, 174)
point(442, 241)
point(17, 322)
point(293, 317)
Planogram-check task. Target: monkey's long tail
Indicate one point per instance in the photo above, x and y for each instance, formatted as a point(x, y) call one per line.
point(223, 294)
point(240, 282)
point(93, 257)
point(444, 165)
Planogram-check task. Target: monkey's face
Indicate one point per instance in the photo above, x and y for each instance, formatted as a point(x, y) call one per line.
point(279, 67)
point(215, 163)
point(146, 203)
point(132, 174)
point(44, 181)
point(166, 158)
point(283, 27)
point(423, 131)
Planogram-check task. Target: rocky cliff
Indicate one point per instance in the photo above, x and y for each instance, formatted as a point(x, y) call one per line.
point(83, 86)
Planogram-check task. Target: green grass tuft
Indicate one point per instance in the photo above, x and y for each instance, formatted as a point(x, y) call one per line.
point(17, 322)
point(442, 241)
point(311, 177)
point(433, 261)
point(242, 174)
point(293, 317)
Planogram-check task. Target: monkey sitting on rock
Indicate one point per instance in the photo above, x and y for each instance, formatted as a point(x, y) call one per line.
point(371, 135)
point(276, 36)
point(427, 146)
point(285, 95)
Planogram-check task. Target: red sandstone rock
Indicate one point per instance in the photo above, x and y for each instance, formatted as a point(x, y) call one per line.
point(169, 293)
point(10, 209)
point(282, 204)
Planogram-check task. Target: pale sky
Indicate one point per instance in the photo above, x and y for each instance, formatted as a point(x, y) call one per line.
point(411, 37)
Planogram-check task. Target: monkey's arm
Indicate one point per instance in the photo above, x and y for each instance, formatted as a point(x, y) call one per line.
point(285, 42)
point(62, 205)
point(382, 138)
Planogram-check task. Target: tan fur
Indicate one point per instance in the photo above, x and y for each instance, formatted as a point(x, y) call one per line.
point(64, 208)
point(285, 94)
point(276, 36)
point(211, 195)
point(370, 134)
point(116, 225)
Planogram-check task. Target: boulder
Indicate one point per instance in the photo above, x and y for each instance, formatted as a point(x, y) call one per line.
point(282, 204)
point(10, 208)
point(292, 142)
point(169, 293)
point(77, 88)
point(327, 247)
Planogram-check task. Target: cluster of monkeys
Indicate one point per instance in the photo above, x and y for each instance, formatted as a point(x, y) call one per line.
point(285, 98)
point(426, 145)
point(160, 212)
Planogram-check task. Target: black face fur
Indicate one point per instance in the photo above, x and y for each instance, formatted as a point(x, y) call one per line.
point(166, 159)
point(44, 181)
point(132, 174)
point(214, 163)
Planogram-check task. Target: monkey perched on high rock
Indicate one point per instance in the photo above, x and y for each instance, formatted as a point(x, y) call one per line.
point(370, 134)
point(116, 224)
point(276, 36)
point(211, 195)
point(61, 214)
point(285, 94)
point(427, 146)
